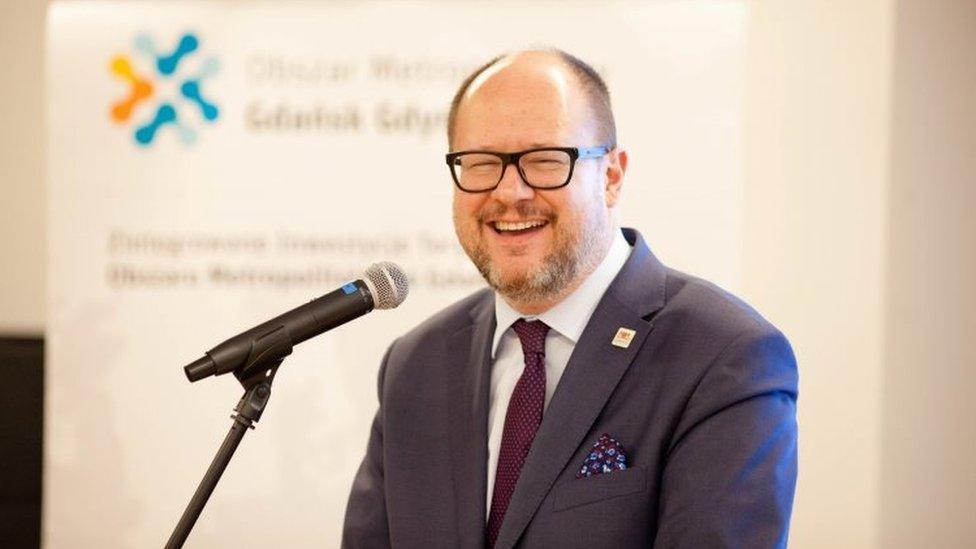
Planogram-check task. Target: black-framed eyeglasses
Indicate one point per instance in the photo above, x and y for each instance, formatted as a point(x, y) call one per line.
point(541, 168)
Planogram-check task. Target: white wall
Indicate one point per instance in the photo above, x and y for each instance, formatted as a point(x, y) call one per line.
point(22, 198)
point(929, 436)
point(816, 170)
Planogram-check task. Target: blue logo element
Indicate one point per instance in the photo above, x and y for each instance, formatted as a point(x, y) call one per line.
point(350, 288)
point(170, 67)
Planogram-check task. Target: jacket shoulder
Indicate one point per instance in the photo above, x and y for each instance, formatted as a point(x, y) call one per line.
point(726, 338)
point(427, 336)
point(698, 304)
point(449, 319)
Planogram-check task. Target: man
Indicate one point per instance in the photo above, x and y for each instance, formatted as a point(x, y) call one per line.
point(592, 397)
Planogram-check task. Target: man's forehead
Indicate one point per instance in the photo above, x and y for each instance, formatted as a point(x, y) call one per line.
point(527, 73)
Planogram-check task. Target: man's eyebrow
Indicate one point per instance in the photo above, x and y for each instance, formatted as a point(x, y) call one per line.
point(533, 145)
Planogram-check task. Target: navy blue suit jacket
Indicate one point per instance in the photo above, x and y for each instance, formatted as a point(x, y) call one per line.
point(703, 401)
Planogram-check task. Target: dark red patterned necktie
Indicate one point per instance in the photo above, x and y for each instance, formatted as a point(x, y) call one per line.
point(521, 421)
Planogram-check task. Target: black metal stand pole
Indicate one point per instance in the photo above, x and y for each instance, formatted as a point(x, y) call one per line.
point(247, 411)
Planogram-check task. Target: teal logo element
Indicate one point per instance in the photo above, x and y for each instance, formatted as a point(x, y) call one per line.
point(183, 107)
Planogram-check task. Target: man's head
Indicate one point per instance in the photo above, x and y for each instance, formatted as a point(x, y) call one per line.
point(523, 101)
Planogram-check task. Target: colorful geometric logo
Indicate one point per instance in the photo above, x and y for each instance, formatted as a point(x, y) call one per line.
point(176, 108)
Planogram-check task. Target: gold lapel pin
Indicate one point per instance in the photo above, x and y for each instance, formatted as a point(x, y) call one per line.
point(623, 338)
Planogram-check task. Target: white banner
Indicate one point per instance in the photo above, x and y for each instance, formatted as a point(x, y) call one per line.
point(211, 165)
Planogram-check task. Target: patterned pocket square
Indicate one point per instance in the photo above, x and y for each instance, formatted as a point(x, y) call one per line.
point(606, 456)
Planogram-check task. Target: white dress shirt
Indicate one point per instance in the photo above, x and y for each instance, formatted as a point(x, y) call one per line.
point(566, 321)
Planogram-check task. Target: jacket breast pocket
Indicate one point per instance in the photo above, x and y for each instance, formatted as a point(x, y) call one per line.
point(581, 491)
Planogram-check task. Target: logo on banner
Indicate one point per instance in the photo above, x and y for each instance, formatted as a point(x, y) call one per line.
point(171, 96)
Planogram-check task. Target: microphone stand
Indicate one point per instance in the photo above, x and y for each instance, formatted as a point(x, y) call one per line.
point(256, 379)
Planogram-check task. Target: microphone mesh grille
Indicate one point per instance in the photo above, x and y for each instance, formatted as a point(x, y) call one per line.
point(390, 284)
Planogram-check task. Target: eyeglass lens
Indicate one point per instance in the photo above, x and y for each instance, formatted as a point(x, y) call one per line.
point(480, 171)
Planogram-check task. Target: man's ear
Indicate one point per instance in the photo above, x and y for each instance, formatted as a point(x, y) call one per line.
point(616, 166)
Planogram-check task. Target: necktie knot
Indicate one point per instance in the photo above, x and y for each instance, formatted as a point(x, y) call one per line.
point(532, 335)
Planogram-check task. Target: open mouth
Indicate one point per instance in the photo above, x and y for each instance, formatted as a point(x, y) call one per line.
point(518, 227)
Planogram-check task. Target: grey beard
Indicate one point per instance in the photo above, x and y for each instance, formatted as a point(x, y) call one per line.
point(556, 272)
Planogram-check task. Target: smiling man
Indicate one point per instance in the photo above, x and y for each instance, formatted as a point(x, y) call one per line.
point(591, 397)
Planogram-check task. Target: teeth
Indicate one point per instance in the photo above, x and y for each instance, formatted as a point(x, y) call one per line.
point(520, 226)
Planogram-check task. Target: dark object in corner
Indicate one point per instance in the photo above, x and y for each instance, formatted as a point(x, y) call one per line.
point(21, 440)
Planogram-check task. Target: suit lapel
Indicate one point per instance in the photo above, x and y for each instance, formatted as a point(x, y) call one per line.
point(469, 371)
point(592, 374)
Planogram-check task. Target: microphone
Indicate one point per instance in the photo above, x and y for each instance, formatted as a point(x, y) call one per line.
point(383, 286)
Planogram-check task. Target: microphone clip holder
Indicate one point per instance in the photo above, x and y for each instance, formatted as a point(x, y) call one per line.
point(256, 377)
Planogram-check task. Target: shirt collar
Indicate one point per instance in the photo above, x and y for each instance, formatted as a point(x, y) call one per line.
point(569, 316)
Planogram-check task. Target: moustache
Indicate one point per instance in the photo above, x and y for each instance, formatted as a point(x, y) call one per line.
point(522, 209)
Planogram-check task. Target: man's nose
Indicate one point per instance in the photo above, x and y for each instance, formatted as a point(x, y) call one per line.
point(512, 188)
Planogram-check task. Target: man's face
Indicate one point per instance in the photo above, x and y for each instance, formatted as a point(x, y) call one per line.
point(533, 245)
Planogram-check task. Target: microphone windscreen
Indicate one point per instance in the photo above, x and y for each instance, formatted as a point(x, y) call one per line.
point(387, 283)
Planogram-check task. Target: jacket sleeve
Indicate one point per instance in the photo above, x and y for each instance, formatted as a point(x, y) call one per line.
point(366, 521)
point(731, 465)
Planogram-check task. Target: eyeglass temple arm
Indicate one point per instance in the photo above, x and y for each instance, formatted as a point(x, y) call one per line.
point(593, 152)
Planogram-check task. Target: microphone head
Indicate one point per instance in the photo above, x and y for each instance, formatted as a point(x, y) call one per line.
point(387, 283)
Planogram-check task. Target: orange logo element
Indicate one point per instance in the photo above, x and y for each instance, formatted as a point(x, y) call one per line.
point(141, 89)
